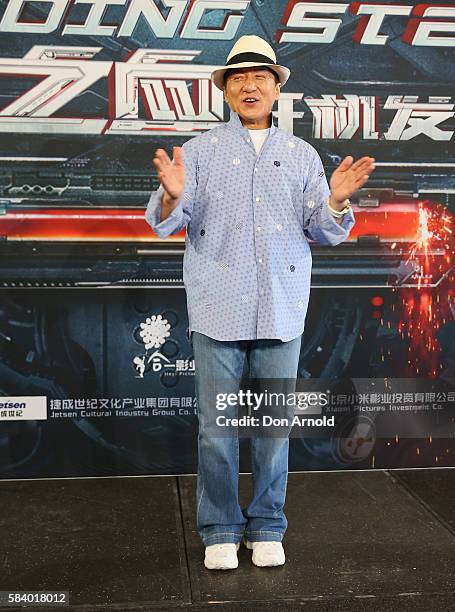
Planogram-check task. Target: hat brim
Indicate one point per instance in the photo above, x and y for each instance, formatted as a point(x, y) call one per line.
point(217, 75)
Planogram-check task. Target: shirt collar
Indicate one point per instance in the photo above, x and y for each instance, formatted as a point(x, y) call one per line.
point(235, 124)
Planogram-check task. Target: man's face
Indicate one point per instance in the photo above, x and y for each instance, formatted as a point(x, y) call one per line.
point(252, 92)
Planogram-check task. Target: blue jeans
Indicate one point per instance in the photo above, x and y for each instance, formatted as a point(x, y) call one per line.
point(219, 515)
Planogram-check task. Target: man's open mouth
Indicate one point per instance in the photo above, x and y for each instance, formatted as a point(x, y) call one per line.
point(250, 101)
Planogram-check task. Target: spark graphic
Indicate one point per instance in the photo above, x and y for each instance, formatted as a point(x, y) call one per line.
point(426, 309)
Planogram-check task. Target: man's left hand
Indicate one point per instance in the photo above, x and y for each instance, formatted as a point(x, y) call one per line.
point(349, 177)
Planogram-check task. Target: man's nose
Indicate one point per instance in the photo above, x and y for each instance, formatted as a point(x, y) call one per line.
point(250, 84)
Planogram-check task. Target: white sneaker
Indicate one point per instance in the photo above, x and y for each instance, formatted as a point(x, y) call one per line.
point(266, 554)
point(221, 556)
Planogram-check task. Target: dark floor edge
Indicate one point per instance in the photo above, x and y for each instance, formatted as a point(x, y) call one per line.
point(332, 471)
point(415, 496)
point(183, 544)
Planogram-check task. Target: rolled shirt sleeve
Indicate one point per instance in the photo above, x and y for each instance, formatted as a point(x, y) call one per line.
point(180, 216)
point(319, 223)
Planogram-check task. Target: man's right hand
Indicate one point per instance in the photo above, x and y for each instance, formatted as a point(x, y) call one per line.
point(171, 174)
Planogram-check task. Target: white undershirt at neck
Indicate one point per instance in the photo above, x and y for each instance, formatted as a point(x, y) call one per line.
point(258, 137)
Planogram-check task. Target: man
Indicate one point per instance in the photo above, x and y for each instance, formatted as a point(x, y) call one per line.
point(250, 195)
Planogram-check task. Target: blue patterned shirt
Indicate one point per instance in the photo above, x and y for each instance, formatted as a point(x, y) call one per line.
point(248, 217)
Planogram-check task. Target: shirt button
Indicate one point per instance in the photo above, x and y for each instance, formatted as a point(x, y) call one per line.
point(255, 169)
point(258, 199)
point(279, 227)
point(292, 268)
point(248, 139)
point(202, 232)
point(260, 260)
point(258, 228)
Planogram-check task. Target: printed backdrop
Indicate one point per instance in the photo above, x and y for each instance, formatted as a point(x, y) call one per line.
point(96, 371)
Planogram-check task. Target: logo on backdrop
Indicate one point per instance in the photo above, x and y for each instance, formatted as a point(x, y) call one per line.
point(154, 333)
point(23, 408)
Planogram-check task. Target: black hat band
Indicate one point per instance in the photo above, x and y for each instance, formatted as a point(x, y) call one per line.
point(250, 57)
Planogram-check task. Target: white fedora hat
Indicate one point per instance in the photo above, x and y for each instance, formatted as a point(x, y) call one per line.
point(250, 51)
